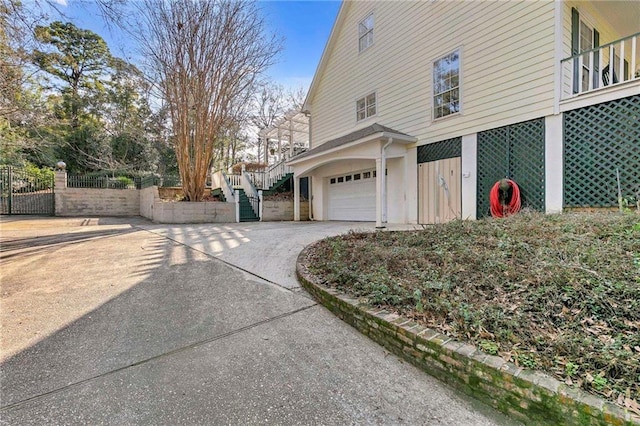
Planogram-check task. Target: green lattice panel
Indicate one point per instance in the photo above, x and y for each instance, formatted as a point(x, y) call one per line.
point(516, 152)
point(493, 164)
point(449, 148)
point(526, 165)
point(598, 140)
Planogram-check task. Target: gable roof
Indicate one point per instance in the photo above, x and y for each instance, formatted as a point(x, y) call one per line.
point(342, 13)
point(353, 137)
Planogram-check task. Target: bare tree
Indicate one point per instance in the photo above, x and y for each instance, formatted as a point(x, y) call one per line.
point(206, 54)
point(269, 104)
point(296, 97)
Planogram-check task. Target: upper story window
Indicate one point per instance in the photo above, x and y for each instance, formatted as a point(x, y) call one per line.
point(365, 33)
point(446, 85)
point(366, 107)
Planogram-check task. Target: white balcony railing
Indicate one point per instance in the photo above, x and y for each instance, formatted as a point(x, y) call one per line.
point(235, 180)
point(605, 66)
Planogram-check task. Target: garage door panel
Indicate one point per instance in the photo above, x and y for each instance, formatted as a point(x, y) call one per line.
point(354, 200)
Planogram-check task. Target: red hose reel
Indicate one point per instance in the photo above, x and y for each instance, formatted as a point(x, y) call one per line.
point(504, 198)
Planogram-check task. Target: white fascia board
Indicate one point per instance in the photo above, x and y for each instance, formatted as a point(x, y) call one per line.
point(376, 136)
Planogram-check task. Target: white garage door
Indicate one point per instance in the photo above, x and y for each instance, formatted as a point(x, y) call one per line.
point(353, 196)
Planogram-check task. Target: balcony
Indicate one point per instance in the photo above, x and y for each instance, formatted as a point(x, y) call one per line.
point(612, 65)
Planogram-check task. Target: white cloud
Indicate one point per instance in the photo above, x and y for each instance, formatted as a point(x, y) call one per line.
point(61, 2)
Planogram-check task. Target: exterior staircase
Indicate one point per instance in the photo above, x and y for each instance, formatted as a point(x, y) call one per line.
point(218, 193)
point(278, 178)
point(246, 211)
point(281, 185)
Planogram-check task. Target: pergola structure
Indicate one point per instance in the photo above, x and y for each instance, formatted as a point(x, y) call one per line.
point(290, 133)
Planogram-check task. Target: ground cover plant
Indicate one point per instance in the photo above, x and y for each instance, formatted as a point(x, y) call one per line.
point(558, 293)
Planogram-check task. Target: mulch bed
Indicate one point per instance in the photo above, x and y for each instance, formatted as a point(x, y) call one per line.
point(558, 293)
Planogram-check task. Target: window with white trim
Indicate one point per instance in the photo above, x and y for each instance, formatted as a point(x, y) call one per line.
point(366, 107)
point(365, 33)
point(586, 42)
point(446, 85)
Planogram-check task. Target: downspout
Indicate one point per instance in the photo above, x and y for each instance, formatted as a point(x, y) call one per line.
point(383, 164)
point(309, 189)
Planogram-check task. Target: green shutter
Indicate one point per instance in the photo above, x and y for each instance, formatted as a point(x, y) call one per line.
point(575, 45)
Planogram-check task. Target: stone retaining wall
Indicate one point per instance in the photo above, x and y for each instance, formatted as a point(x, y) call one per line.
point(147, 202)
point(96, 202)
point(196, 212)
point(526, 395)
point(148, 197)
point(170, 193)
point(282, 210)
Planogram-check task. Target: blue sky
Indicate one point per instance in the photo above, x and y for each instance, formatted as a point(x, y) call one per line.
point(305, 26)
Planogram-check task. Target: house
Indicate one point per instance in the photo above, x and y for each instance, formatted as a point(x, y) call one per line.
point(418, 108)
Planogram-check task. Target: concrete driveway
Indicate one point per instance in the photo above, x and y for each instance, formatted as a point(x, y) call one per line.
point(266, 249)
point(120, 321)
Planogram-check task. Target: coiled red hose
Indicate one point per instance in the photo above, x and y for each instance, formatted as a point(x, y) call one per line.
point(497, 208)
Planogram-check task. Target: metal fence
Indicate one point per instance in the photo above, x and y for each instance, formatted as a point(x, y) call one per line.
point(24, 191)
point(106, 182)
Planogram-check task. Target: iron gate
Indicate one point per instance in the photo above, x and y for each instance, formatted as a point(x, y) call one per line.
point(516, 152)
point(25, 192)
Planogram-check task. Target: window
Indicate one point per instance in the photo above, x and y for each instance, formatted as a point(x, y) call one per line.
point(356, 176)
point(365, 33)
point(446, 85)
point(366, 175)
point(340, 179)
point(585, 40)
point(333, 180)
point(366, 107)
point(347, 178)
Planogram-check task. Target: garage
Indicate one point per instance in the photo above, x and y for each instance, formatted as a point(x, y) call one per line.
point(352, 196)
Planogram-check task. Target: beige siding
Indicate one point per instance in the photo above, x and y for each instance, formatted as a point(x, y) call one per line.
point(507, 52)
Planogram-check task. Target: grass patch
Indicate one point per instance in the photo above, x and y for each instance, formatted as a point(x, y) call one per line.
point(558, 293)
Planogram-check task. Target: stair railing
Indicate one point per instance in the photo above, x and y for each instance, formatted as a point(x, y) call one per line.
point(252, 193)
point(219, 180)
point(275, 173)
point(258, 179)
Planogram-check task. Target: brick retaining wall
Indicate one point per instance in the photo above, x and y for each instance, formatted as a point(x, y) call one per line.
point(528, 396)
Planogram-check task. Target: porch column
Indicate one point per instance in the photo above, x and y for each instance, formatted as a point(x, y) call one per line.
point(296, 198)
point(290, 138)
point(379, 197)
point(469, 176)
point(279, 144)
point(553, 164)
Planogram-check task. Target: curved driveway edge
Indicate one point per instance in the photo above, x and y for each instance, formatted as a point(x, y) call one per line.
point(104, 322)
point(523, 394)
